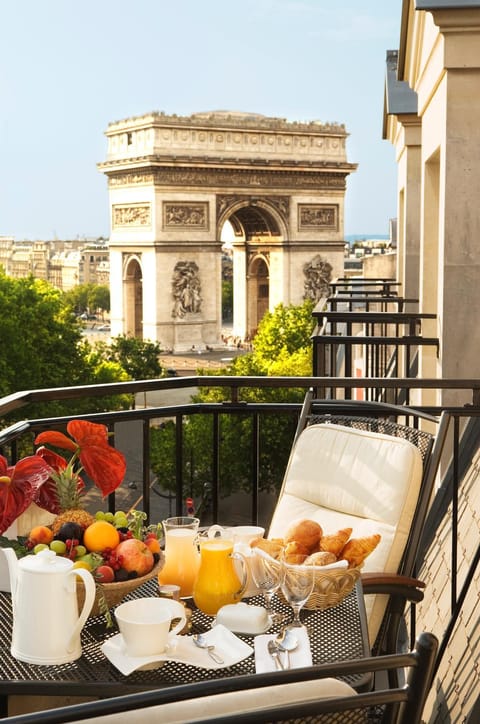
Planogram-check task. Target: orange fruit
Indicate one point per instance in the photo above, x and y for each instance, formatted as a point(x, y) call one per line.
point(100, 535)
point(41, 534)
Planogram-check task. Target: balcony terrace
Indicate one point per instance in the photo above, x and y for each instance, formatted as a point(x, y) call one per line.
point(450, 550)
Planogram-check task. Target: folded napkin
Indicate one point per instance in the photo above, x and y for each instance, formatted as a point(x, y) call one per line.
point(301, 656)
point(181, 648)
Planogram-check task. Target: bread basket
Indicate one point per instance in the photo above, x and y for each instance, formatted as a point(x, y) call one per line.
point(113, 593)
point(331, 587)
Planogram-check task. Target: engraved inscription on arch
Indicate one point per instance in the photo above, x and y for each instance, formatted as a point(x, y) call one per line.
point(185, 215)
point(131, 215)
point(317, 216)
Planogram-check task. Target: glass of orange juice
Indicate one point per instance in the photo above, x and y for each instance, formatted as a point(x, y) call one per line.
point(182, 558)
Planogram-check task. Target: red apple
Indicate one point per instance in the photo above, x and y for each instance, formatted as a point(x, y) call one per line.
point(134, 555)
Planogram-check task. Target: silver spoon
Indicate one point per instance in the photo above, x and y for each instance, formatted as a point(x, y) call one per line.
point(286, 641)
point(199, 641)
point(275, 654)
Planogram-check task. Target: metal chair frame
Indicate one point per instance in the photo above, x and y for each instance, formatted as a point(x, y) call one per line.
point(390, 705)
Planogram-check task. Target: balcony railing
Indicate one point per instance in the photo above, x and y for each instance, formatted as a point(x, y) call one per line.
point(258, 481)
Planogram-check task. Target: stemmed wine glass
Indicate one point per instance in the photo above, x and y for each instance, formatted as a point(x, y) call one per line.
point(267, 574)
point(297, 582)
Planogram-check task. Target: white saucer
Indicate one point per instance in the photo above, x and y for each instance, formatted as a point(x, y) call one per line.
point(181, 648)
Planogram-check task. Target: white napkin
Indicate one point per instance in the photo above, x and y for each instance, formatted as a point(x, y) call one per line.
point(181, 648)
point(301, 656)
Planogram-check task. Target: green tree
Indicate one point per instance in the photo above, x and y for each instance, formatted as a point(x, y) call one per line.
point(138, 357)
point(227, 300)
point(88, 297)
point(99, 298)
point(42, 346)
point(282, 347)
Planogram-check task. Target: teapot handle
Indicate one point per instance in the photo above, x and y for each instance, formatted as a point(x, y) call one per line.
point(214, 529)
point(90, 592)
point(240, 557)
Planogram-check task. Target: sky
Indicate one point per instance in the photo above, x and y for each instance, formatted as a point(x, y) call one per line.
point(68, 69)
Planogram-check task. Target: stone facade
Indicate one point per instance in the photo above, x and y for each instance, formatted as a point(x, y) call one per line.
point(64, 264)
point(432, 117)
point(174, 183)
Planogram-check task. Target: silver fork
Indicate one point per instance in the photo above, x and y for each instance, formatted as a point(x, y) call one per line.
point(275, 654)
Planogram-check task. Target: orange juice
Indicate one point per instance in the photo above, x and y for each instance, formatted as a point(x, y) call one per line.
point(182, 559)
point(217, 582)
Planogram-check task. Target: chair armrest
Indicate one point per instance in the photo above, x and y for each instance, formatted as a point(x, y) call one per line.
point(393, 584)
point(400, 589)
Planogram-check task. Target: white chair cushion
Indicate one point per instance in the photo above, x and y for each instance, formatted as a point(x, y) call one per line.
point(192, 710)
point(345, 477)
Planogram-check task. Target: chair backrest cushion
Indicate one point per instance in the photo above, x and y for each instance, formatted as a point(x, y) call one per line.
point(346, 477)
point(230, 703)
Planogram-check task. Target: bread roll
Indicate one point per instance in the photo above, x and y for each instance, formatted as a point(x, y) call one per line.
point(305, 532)
point(357, 549)
point(322, 558)
point(335, 542)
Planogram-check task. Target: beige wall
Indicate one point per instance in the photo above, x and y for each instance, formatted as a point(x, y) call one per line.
point(438, 155)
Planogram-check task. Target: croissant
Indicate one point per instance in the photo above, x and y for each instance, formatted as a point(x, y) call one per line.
point(273, 547)
point(335, 542)
point(357, 549)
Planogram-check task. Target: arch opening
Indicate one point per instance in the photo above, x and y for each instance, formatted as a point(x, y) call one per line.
point(133, 299)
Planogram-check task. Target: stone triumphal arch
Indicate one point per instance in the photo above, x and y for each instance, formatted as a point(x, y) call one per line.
point(174, 183)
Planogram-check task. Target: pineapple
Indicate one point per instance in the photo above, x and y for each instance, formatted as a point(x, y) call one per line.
point(72, 515)
point(69, 499)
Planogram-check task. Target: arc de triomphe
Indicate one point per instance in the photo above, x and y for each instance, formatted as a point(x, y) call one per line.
point(175, 181)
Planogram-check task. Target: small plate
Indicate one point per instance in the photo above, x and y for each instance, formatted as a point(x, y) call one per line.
point(182, 649)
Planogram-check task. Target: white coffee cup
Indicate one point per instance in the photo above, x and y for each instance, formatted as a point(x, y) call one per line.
point(245, 533)
point(145, 624)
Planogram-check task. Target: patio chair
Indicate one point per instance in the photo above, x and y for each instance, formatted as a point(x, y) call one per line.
point(374, 475)
point(311, 694)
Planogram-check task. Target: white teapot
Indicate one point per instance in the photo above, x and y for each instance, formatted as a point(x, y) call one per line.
point(46, 623)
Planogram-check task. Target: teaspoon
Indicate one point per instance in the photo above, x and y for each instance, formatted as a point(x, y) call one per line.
point(199, 641)
point(286, 641)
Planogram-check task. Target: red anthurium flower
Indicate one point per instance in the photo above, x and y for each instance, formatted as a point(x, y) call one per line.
point(105, 465)
point(19, 486)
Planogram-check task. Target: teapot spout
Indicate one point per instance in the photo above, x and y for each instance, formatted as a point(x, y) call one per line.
point(8, 569)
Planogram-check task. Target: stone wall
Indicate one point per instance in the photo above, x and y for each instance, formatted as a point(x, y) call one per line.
point(456, 686)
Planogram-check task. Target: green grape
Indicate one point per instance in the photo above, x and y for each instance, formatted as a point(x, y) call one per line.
point(59, 546)
point(121, 522)
point(80, 551)
point(109, 517)
point(40, 547)
point(99, 515)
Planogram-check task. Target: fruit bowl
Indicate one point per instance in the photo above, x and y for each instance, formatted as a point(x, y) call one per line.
point(114, 592)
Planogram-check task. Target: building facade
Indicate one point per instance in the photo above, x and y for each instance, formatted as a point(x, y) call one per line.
point(64, 264)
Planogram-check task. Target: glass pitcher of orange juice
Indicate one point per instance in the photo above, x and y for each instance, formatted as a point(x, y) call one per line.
point(182, 558)
point(217, 582)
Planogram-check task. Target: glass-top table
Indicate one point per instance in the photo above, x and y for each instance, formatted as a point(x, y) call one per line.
point(336, 634)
